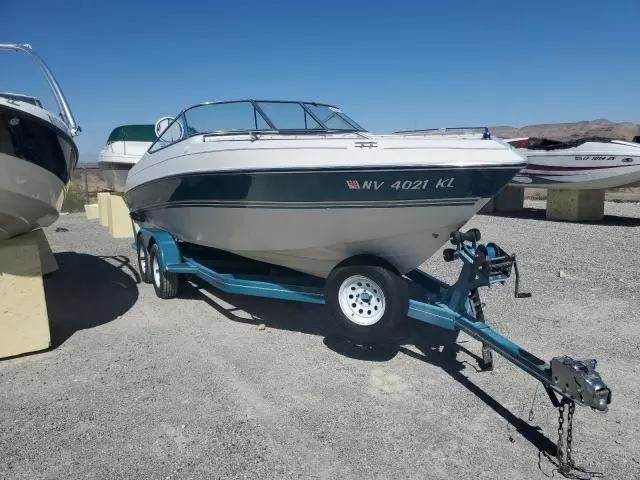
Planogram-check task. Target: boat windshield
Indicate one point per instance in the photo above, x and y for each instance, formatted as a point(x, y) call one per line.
point(254, 116)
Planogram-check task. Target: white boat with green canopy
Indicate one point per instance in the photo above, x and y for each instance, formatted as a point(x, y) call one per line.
point(125, 146)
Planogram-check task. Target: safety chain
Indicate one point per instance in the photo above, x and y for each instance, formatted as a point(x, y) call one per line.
point(565, 464)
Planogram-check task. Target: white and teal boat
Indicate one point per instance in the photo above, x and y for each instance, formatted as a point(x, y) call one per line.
point(301, 185)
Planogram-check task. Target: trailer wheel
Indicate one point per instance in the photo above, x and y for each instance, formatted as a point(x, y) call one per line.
point(143, 261)
point(164, 283)
point(369, 303)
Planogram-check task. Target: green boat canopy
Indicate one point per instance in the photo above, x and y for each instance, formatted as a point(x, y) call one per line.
point(133, 133)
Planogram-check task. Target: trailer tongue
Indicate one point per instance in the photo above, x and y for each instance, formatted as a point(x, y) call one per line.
point(484, 265)
point(567, 381)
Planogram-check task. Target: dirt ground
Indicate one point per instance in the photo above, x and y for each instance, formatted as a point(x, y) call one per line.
point(192, 387)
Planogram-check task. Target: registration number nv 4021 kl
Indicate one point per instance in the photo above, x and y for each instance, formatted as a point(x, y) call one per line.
point(445, 182)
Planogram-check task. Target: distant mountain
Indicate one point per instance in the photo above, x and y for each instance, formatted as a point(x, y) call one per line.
point(567, 131)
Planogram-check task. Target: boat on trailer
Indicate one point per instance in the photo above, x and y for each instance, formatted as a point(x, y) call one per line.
point(37, 155)
point(585, 163)
point(302, 185)
point(125, 145)
point(305, 205)
point(295, 201)
point(356, 287)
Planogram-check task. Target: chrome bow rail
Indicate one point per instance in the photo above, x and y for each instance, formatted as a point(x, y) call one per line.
point(484, 131)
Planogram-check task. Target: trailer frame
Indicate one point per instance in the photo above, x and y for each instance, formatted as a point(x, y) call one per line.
point(451, 307)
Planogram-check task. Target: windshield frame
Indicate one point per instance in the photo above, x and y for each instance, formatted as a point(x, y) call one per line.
point(258, 111)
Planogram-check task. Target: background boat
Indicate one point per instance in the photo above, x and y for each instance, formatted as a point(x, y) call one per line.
point(585, 163)
point(125, 146)
point(37, 155)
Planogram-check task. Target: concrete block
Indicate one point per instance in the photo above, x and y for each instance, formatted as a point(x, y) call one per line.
point(509, 199)
point(92, 211)
point(103, 208)
point(119, 220)
point(488, 208)
point(575, 205)
point(37, 237)
point(48, 262)
point(24, 324)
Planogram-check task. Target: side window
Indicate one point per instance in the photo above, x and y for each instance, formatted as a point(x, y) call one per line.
point(332, 117)
point(289, 116)
point(221, 117)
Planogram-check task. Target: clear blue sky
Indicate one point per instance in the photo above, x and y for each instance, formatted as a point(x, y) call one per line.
point(390, 65)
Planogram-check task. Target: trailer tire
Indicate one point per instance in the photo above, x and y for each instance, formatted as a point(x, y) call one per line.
point(164, 283)
point(144, 264)
point(368, 302)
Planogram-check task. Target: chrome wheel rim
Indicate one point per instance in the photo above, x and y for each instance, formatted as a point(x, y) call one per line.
point(362, 300)
point(143, 259)
point(156, 271)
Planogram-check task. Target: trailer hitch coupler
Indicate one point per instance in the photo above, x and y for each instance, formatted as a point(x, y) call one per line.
point(579, 381)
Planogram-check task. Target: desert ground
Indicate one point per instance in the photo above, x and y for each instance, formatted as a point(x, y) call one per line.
point(210, 385)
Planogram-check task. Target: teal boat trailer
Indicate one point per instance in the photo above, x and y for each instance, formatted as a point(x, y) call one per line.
point(457, 307)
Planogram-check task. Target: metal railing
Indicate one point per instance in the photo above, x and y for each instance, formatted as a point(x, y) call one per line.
point(61, 100)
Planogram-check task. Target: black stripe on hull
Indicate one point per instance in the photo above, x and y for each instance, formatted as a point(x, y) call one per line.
point(312, 205)
point(34, 140)
point(323, 188)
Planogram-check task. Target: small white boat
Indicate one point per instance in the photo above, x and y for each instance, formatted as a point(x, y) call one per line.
point(301, 185)
point(586, 163)
point(37, 155)
point(125, 146)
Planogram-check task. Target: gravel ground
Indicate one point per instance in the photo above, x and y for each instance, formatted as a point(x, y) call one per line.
point(138, 387)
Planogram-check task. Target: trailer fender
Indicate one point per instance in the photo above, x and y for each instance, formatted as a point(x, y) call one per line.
point(169, 254)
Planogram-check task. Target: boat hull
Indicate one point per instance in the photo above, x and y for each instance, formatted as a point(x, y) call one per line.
point(30, 196)
point(114, 175)
point(312, 219)
point(116, 159)
point(37, 158)
point(592, 166)
point(314, 241)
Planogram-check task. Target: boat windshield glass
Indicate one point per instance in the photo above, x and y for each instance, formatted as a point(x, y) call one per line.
point(225, 118)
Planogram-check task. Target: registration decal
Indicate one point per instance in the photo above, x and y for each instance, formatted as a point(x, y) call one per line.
point(594, 158)
point(426, 184)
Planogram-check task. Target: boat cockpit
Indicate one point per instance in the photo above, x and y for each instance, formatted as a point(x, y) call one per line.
point(253, 117)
